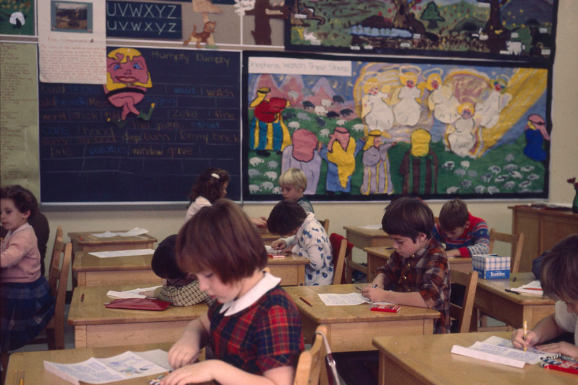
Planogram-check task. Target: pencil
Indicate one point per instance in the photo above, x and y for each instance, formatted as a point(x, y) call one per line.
point(525, 331)
point(304, 300)
point(82, 298)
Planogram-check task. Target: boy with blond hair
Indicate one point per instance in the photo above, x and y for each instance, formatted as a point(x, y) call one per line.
point(293, 182)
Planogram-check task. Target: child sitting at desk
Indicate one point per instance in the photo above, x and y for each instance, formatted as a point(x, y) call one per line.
point(211, 185)
point(26, 303)
point(180, 289)
point(417, 273)
point(254, 329)
point(560, 281)
point(307, 237)
point(463, 234)
point(293, 182)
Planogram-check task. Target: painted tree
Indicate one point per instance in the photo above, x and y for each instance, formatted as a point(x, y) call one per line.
point(497, 33)
point(431, 13)
point(264, 12)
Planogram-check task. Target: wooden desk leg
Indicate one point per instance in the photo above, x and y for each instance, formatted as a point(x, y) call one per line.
point(80, 278)
point(381, 374)
point(80, 337)
point(301, 275)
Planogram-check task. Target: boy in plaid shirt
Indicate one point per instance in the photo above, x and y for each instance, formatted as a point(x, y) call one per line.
point(417, 273)
point(254, 329)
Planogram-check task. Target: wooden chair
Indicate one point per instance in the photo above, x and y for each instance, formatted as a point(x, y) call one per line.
point(325, 224)
point(59, 236)
point(58, 279)
point(311, 365)
point(517, 242)
point(341, 253)
point(463, 314)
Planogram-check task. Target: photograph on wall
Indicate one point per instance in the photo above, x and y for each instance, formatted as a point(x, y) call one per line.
point(17, 17)
point(521, 30)
point(71, 17)
point(371, 130)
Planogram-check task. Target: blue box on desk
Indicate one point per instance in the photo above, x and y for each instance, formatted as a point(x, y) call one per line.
point(491, 266)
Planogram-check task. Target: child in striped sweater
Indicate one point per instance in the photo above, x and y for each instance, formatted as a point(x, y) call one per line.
point(463, 234)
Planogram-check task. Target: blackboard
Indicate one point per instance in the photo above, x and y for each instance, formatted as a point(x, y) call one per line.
point(88, 153)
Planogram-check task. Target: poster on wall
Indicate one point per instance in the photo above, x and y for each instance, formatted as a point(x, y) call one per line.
point(496, 29)
point(374, 129)
point(17, 17)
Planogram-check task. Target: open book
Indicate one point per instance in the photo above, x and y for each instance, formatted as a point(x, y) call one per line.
point(121, 367)
point(501, 351)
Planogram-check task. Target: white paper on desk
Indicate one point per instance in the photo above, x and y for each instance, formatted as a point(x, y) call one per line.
point(131, 233)
point(371, 227)
point(501, 351)
point(103, 370)
point(346, 299)
point(134, 293)
point(530, 289)
point(121, 253)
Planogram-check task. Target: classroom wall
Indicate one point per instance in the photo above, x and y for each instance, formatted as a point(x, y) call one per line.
point(564, 164)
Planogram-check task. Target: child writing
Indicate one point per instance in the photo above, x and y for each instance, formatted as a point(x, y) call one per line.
point(559, 281)
point(254, 329)
point(211, 185)
point(306, 237)
point(25, 300)
point(293, 182)
point(417, 272)
point(179, 288)
point(463, 234)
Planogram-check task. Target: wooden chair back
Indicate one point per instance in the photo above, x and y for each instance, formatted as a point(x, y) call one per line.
point(311, 364)
point(517, 242)
point(339, 258)
point(59, 236)
point(463, 314)
point(58, 279)
point(325, 224)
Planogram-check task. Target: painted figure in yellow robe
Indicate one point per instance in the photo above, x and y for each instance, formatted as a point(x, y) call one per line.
point(340, 155)
point(267, 130)
point(419, 165)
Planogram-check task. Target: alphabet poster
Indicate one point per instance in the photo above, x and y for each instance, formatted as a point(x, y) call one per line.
point(370, 130)
point(497, 29)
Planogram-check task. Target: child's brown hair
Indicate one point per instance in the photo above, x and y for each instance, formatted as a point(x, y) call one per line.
point(23, 199)
point(560, 270)
point(453, 214)
point(293, 177)
point(221, 239)
point(209, 184)
point(286, 217)
point(408, 217)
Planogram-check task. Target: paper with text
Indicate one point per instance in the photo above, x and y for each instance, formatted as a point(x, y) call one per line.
point(121, 253)
point(131, 233)
point(347, 299)
point(121, 367)
point(532, 288)
point(134, 293)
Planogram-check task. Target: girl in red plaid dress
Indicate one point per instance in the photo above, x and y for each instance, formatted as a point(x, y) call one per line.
point(254, 329)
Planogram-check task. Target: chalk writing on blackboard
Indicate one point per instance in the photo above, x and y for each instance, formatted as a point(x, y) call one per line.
point(143, 20)
point(89, 153)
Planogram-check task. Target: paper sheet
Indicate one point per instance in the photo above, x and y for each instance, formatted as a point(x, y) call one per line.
point(347, 299)
point(532, 288)
point(103, 370)
point(371, 227)
point(134, 293)
point(501, 351)
point(131, 233)
point(121, 253)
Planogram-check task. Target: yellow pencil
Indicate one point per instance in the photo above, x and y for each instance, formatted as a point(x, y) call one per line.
point(525, 332)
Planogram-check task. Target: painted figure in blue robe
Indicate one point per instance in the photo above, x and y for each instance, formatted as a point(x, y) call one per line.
point(535, 132)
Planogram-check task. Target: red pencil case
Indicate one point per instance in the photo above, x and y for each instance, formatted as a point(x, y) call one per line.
point(138, 304)
point(386, 308)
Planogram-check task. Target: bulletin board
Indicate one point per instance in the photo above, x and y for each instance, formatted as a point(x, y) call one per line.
point(142, 137)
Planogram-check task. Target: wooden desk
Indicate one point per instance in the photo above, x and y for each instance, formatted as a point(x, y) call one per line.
point(351, 328)
point(378, 256)
point(542, 230)
point(93, 271)
point(267, 236)
point(428, 360)
point(33, 365)
point(290, 269)
point(362, 238)
point(96, 326)
point(510, 308)
point(85, 241)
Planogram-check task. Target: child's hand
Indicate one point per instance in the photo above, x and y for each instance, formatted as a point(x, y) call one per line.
point(279, 244)
point(560, 347)
point(520, 342)
point(374, 293)
point(259, 222)
point(183, 352)
point(196, 373)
